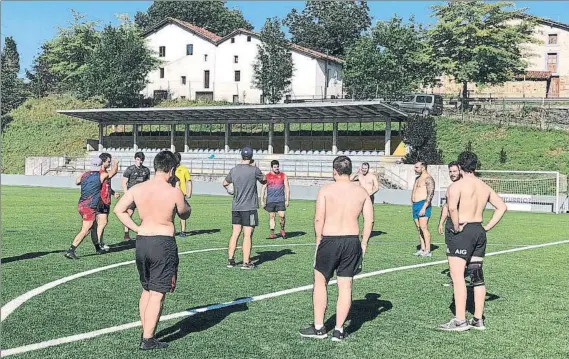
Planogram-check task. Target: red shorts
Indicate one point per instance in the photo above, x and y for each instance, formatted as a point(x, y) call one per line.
point(87, 213)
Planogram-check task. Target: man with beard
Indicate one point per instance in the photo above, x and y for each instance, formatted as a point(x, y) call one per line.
point(367, 180)
point(421, 197)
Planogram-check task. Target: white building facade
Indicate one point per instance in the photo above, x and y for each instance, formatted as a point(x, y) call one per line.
point(197, 64)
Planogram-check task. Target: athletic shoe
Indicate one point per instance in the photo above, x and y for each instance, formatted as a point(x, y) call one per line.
point(338, 336)
point(272, 236)
point(126, 237)
point(426, 254)
point(449, 284)
point(455, 326)
point(105, 247)
point(231, 263)
point(283, 233)
point(70, 254)
point(248, 266)
point(312, 332)
point(152, 343)
point(477, 324)
point(418, 253)
point(182, 234)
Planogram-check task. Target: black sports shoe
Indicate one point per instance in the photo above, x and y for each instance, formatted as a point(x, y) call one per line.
point(231, 263)
point(152, 343)
point(70, 254)
point(476, 323)
point(312, 332)
point(338, 336)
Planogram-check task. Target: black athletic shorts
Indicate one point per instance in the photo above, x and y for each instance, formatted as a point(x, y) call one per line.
point(157, 262)
point(468, 243)
point(103, 208)
point(342, 254)
point(275, 207)
point(245, 218)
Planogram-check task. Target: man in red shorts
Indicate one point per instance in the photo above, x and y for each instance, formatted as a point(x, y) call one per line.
point(91, 183)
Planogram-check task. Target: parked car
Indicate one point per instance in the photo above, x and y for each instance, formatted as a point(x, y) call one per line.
point(425, 104)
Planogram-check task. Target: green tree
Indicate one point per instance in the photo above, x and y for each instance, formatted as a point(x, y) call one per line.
point(393, 59)
point(480, 42)
point(273, 67)
point(118, 66)
point(13, 90)
point(420, 134)
point(329, 26)
point(63, 59)
point(211, 15)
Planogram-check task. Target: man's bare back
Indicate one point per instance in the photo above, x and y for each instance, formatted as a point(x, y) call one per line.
point(343, 201)
point(157, 202)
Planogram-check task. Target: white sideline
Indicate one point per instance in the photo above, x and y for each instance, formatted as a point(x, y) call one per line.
point(88, 335)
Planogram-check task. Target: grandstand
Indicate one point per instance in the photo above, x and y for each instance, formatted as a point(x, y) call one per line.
point(303, 137)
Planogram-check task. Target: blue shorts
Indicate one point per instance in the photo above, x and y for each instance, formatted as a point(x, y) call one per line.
point(417, 208)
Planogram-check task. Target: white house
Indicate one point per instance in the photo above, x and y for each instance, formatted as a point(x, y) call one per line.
point(198, 64)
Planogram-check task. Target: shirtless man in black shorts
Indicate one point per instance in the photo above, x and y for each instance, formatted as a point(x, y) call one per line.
point(339, 249)
point(465, 239)
point(156, 249)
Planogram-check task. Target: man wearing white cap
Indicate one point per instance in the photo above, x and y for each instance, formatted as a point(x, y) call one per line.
point(91, 183)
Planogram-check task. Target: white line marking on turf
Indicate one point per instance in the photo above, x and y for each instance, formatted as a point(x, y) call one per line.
point(187, 313)
point(17, 302)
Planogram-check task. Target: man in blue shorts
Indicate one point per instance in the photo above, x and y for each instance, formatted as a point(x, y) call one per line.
point(421, 197)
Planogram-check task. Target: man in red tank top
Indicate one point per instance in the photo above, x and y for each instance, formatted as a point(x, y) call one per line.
point(104, 205)
point(274, 197)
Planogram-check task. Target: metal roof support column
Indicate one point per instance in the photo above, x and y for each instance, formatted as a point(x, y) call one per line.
point(186, 136)
point(286, 136)
point(172, 133)
point(271, 133)
point(227, 132)
point(100, 146)
point(135, 137)
point(388, 137)
point(334, 137)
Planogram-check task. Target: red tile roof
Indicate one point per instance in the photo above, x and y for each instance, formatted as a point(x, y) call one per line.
point(200, 30)
point(534, 75)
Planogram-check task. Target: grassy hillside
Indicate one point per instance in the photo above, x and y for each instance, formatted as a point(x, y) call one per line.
point(526, 149)
point(37, 130)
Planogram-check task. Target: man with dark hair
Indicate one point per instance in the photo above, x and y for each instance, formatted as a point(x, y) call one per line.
point(91, 183)
point(367, 180)
point(465, 239)
point(338, 246)
point(421, 197)
point(104, 206)
point(243, 178)
point(275, 196)
point(156, 249)
point(184, 183)
point(134, 174)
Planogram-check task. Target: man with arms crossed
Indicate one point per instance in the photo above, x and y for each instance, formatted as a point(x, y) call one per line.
point(367, 180)
point(423, 192)
point(274, 197)
point(185, 184)
point(244, 214)
point(465, 239)
point(338, 207)
point(134, 174)
point(156, 250)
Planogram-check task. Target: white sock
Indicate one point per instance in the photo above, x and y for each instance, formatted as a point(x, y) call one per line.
point(341, 330)
point(318, 326)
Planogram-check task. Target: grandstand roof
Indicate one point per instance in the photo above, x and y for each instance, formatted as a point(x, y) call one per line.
point(323, 112)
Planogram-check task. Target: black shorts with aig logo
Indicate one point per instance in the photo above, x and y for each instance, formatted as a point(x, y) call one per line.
point(342, 254)
point(245, 218)
point(468, 243)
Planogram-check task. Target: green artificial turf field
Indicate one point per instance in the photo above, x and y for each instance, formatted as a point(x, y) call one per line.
point(394, 315)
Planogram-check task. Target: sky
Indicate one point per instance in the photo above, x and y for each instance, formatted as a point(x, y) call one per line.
point(31, 23)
